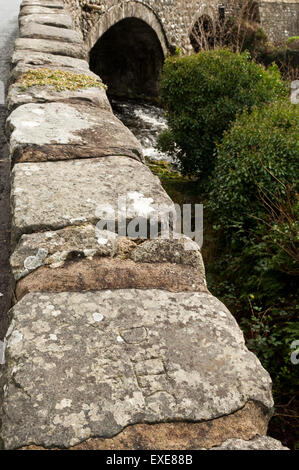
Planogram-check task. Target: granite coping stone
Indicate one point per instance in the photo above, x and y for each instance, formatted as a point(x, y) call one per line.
point(39, 10)
point(64, 131)
point(46, 94)
point(83, 365)
point(42, 31)
point(77, 51)
point(60, 20)
point(54, 248)
point(35, 58)
point(44, 3)
point(54, 195)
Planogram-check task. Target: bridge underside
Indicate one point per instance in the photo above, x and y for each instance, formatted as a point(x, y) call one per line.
point(129, 59)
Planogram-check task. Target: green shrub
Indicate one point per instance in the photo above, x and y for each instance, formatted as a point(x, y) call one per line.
point(253, 201)
point(255, 41)
point(257, 166)
point(251, 242)
point(286, 58)
point(204, 92)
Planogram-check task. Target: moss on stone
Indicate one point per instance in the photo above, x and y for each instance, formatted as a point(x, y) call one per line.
point(181, 189)
point(292, 39)
point(58, 79)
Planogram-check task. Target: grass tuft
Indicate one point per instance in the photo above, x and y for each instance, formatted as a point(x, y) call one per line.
point(58, 79)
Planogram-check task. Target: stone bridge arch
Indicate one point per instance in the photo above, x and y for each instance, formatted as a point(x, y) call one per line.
point(124, 10)
point(205, 12)
point(127, 49)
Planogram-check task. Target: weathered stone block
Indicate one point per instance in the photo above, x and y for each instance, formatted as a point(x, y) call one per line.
point(41, 31)
point(102, 273)
point(54, 248)
point(45, 94)
point(44, 3)
point(247, 422)
point(51, 47)
point(61, 20)
point(59, 131)
point(21, 69)
point(39, 59)
point(54, 195)
point(257, 443)
point(179, 249)
point(39, 10)
point(70, 260)
point(84, 365)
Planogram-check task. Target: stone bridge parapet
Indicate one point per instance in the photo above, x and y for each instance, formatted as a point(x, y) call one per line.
point(114, 342)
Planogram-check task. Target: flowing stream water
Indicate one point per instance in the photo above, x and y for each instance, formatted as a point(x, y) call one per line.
point(146, 121)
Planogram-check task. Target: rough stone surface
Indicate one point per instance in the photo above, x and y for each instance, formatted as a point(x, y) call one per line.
point(20, 69)
point(39, 10)
point(157, 362)
point(54, 195)
point(54, 248)
point(39, 59)
point(45, 94)
point(257, 443)
point(173, 20)
point(59, 131)
point(41, 31)
point(44, 3)
point(179, 249)
point(99, 274)
point(51, 47)
point(61, 20)
point(247, 422)
point(83, 365)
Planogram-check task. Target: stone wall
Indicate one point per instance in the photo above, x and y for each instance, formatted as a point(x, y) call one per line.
point(115, 341)
point(176, 17)
point(279, 18)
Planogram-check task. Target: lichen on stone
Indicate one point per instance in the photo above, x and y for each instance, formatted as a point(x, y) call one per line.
point(59, 79)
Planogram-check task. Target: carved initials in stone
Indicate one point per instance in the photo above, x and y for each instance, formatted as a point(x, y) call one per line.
point(152, 376)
